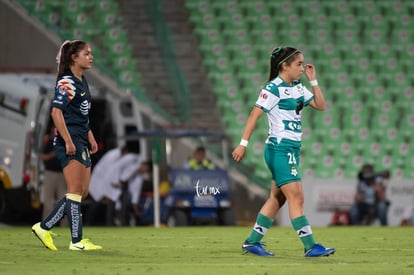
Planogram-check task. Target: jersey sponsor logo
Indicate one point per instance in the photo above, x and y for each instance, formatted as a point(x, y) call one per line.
point(295, 126)
point(84, 107)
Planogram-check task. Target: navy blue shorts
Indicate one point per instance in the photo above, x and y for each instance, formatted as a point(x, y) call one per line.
point(82, 155)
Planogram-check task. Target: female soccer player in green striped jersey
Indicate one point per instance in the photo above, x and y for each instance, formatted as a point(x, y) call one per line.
point(282, 98)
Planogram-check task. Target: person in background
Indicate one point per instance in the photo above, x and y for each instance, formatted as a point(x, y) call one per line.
point(408, 215)
point(130, 182)
point(54, 186)
point(370, 200)
point(99, 185)
point(199, 160)
point(73, 143)
point(282, 98)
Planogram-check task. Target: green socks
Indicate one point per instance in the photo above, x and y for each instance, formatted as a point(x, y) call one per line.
point(304, 231)
point(263, 223)
point(300, 224)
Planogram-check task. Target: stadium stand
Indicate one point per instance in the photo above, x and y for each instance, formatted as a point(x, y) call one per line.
point(361, 51)
point(99, 22)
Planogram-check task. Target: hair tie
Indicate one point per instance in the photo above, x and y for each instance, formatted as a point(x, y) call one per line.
point(276, 52)
point(60, 51)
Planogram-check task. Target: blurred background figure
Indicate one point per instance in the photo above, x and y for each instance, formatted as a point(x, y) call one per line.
point(370, 198)
point(199, 160)
point(99, 184)
point(408, 215)
point(115, 188)
point(54, 186)
point(131, 182)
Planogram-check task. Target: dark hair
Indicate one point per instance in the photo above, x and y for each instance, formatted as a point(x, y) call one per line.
point(200, 149)
point(64, 57)
point(278, 57)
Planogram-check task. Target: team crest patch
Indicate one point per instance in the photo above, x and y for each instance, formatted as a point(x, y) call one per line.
point(66, 86)
point(293, 171)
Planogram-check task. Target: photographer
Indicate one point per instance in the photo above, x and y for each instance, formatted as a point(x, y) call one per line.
point(370, 200)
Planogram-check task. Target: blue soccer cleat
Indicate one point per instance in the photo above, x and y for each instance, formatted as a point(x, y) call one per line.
point(319, 250)
point(256, 249)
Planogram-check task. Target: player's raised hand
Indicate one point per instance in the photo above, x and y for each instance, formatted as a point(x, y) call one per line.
point(310, 72)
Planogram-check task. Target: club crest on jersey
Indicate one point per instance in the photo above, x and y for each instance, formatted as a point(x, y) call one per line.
point(300, 89)
point(293, 171)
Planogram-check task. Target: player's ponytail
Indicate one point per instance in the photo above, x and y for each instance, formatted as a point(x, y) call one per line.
point(64, 56)
point(278, 57)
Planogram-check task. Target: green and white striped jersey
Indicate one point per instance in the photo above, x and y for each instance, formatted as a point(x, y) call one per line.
point(283, 104)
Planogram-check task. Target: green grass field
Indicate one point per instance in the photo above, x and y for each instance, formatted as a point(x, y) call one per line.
point(208, 250)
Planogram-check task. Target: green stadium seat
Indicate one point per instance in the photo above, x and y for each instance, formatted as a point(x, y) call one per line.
point(208, 36)
point(235, 120)
point(206, 21)
point(263, 172)
point(362, 73)
point(253, 8)
point(221, 64)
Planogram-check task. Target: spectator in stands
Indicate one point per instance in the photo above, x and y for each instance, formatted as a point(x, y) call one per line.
point(282, 98)
point(370, 201)
point(199, 160)
point(54, 186)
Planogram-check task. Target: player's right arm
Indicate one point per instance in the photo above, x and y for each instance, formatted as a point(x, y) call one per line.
point(60, 124)
point(240, 150)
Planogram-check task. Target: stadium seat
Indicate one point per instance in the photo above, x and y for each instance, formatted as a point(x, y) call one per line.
point(361, 72)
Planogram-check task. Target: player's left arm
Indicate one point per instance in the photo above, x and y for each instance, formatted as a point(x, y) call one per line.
point(92, 142)
point(318, 101)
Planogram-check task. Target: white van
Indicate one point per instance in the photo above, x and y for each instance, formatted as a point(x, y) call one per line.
point(24, 116)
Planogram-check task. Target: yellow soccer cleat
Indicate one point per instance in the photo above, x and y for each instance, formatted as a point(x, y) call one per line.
point(45, 236)
point(84, 244)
